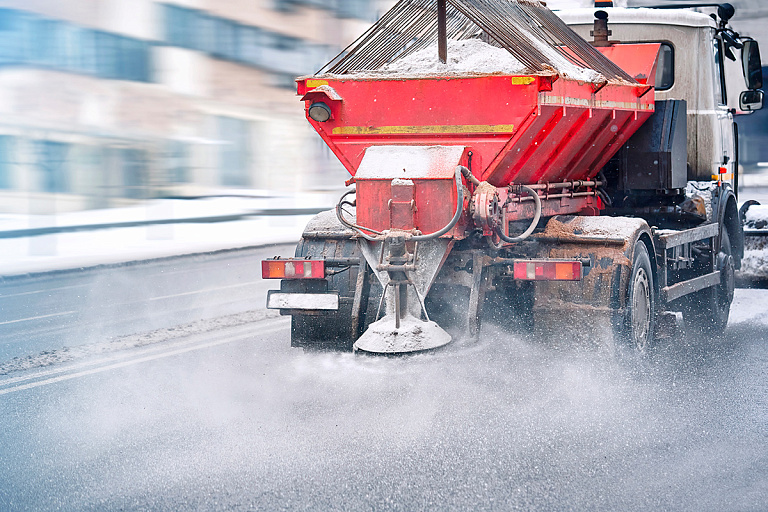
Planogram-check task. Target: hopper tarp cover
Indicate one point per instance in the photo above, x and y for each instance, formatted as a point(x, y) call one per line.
point(533, 34)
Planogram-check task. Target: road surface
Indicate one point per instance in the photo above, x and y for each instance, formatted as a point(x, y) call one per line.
point(231, 418)
point(51, 310)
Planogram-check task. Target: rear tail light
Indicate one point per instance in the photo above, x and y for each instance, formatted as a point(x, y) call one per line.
point(293, 269)
point(547, 270)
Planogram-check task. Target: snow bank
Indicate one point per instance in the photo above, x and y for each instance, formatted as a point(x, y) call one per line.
point(755, 262)
point(77, 249)
point(756, 217)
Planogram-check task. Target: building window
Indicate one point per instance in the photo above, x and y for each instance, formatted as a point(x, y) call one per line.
point(229, 40)
point(285, 5)
point(106, 55)
point(44, 42)
point(226, 39)
point(287, 43)
point(52, 162)
point(134, 60)
point(85, 57)
point(250, 39)
point(31, 40)
point(134, 172)
point(177, 162)
point(282, 80)
point(205, 39)
point(6, 160)
point(360, 9)
point(234, 153)
point(180, 25)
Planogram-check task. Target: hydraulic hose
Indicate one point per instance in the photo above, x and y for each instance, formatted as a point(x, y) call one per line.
point(534, 222)
point(415, 238)
point(456, 216)
point(354, 227)
point(469, 176)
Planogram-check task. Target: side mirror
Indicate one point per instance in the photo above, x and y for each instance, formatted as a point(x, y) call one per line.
point(751, 100)
point(750, 61)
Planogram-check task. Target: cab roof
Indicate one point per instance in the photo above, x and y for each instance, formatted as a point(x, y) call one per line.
point(639, 15)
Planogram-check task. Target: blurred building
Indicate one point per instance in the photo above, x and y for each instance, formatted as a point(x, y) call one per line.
point(105, 102)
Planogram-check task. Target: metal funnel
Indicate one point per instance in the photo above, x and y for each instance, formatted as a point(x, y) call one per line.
point(413, 335)
point(403, 274)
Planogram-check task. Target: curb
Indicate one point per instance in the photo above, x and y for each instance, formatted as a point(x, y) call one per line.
point(52, 230)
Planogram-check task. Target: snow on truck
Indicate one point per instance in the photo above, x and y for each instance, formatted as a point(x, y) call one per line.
point(505, 168)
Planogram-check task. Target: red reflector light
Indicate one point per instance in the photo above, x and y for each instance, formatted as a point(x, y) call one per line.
point(547, 270)
point(292, 269)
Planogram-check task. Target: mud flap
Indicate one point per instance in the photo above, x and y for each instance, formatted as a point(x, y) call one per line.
point(592, 310)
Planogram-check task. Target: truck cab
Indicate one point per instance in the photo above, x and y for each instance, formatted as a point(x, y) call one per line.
point(698, 63)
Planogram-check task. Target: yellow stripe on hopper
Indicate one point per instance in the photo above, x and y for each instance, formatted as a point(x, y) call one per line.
point(522, 80)
point(726, 176)
point(312, 83)
point(388, 130)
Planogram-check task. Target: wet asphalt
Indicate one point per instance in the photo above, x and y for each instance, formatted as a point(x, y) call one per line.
point(234, 419)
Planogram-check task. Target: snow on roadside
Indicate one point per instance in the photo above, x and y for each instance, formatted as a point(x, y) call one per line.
point(159, 209)
point(92, 351)
point(754, 265)
point(106, 246)
point(77, 249)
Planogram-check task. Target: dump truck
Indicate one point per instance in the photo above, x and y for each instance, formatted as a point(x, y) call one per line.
point(572, 171)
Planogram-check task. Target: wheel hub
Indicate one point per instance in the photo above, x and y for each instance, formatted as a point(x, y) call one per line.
point(727, 270)
point(641, 309)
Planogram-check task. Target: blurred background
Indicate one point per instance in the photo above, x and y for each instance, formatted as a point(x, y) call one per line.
point(107, 103)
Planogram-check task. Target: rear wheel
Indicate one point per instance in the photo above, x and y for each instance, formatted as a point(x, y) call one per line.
point(334, 330)
point(637, 326)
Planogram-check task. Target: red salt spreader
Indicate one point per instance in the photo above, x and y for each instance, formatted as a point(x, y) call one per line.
point(437, 159)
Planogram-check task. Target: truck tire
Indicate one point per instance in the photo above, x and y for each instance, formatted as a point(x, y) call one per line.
point(636, 329)
point(333, 330)
point(707, 311)
point(724, 291)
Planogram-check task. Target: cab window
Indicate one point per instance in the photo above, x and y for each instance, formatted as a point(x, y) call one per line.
point(665, 68)
point(720, 96)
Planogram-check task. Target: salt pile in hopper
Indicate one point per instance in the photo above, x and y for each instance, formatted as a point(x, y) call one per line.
point(474, 56)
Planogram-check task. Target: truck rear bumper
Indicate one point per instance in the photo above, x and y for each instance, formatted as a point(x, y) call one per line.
point(277, 299)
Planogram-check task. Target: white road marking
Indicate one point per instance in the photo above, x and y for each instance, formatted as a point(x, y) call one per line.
point(44, 290)
point(194, 292)
point(123, 364)
point(63, 313)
